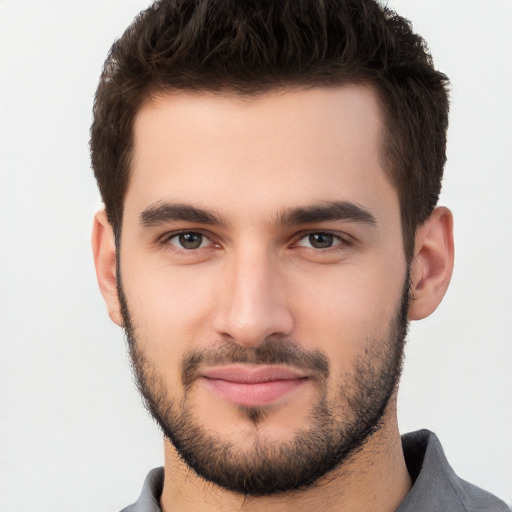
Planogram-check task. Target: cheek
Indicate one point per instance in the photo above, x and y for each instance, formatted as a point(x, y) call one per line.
point(169, 309)
point(343, 310)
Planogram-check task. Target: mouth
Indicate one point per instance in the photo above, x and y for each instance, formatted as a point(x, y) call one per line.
point(253, 385)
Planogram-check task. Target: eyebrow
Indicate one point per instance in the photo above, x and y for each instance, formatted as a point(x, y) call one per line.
point(329, 211)
point(161, 213)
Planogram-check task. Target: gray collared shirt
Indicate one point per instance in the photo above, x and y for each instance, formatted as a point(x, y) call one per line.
point(436, 487)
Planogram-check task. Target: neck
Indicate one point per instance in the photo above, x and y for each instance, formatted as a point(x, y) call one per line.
point(374, 479)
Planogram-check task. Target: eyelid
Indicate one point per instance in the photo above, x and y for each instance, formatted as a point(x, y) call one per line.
point(343, 238)
point(203, 240)
point(337, 240)
point(164, 240)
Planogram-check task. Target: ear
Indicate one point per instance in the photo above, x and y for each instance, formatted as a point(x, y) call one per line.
point(104, 251)
point(432, 264)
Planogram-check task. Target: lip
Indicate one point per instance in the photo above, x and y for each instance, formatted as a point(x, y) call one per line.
point(252, 385)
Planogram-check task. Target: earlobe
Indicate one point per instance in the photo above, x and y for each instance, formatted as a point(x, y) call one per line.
point(104, 251)
point(432, 265)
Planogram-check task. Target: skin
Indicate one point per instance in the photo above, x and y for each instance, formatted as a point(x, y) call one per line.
point(248, 160)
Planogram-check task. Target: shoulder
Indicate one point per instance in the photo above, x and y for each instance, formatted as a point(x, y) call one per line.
point(436, 486)
point(482, 500)
point(149, 499)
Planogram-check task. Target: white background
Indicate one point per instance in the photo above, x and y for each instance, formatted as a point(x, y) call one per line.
point(73, 434)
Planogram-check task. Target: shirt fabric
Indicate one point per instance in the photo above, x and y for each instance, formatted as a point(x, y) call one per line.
point(436, 487)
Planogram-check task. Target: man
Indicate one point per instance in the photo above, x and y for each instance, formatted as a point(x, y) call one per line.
point(270, 173)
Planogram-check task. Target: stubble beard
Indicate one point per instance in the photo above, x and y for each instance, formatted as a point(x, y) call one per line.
point(337, 429)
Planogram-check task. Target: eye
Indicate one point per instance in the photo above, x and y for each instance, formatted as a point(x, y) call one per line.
point(320, 240)
point(189, 240)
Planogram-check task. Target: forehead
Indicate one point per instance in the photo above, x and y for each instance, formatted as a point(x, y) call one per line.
point(273, 150)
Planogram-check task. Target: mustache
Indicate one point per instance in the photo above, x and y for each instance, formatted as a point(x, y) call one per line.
point(270, 352)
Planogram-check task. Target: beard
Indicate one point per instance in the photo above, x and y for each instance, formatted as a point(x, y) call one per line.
point(338, 428)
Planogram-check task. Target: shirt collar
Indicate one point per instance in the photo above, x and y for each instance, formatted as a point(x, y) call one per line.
point(435, 487)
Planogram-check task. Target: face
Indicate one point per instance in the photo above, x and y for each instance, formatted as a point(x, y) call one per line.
point(263, 281)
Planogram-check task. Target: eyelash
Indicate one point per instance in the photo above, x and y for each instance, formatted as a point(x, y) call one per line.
point(165, 241)
point(340, 242)
point(343, 242)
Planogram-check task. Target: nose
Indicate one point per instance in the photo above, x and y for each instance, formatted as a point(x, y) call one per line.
point(252, 304)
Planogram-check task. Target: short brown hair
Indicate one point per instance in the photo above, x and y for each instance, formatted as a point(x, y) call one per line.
point(253, 46)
